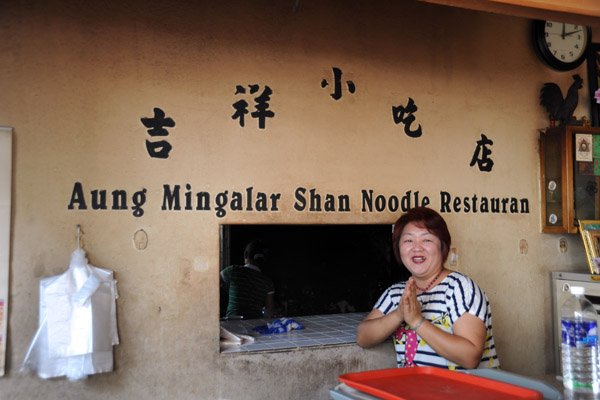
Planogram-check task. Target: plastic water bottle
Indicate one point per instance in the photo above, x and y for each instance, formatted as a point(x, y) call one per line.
point(579, 344)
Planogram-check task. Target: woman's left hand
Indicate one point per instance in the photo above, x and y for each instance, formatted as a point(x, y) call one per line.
point(411, 308)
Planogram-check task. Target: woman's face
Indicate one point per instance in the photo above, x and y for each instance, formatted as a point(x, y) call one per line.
point(420, 251)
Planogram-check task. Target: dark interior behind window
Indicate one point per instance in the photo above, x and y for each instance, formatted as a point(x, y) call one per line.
point(319, 269)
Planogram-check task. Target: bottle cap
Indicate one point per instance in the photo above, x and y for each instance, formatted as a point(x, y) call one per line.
point(577, 290)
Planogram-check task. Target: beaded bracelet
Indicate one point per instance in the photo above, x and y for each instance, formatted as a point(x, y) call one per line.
point(418, 325)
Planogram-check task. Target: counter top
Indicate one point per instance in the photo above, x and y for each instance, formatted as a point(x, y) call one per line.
point(318, 330)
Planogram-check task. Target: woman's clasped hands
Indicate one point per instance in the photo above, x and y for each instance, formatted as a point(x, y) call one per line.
point(409, 307)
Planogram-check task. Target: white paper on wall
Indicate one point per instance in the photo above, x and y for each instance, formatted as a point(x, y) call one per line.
point(5, 209)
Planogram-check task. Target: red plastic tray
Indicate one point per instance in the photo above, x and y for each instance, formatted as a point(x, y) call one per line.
point(427, 383)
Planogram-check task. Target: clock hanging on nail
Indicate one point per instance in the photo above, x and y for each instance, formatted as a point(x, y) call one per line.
point(561, 45)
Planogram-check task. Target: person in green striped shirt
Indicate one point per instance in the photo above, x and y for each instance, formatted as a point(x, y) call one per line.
point(250, 290)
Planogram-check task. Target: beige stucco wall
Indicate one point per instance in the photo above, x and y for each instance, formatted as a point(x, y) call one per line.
point(76, 77)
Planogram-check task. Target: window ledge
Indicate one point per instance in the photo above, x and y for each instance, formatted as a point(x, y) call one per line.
point(318, 331)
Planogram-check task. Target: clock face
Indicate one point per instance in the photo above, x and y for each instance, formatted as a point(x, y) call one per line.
point(566, 42)
point(562, 45)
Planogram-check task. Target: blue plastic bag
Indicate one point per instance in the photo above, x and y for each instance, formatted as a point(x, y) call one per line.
point(281, 325)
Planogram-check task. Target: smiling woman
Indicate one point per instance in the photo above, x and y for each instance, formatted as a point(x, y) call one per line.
point(437, 317)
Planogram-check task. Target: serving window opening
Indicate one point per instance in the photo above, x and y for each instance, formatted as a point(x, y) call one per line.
point(317, 269)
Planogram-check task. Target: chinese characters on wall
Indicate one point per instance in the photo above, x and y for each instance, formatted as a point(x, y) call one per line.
point(482, 153)
point(337, 84)
point(404, 115)
point(260, 96)
point(261, 105)
point(159, 148)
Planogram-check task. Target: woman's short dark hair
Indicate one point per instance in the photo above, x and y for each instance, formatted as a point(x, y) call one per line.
point(427, 218)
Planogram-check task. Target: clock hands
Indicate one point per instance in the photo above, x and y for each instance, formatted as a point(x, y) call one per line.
point(570, 33)
point(564, 33)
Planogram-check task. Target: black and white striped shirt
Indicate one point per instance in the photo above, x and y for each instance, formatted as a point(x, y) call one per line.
point(442, 306)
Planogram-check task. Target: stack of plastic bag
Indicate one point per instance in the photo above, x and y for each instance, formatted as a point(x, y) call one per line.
point(77, 323)
point(230, 340)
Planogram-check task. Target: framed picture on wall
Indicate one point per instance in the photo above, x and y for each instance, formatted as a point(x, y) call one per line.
point(590, 234)
point(593, 66)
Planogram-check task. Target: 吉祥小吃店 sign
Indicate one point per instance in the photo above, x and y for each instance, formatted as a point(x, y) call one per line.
point(401, 114)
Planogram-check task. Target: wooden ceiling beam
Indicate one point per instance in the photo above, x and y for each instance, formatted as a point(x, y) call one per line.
point(583, 12)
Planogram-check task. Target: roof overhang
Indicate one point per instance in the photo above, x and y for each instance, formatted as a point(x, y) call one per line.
point(583, 12)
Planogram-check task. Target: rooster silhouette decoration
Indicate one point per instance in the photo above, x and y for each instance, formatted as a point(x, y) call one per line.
point(561, 109)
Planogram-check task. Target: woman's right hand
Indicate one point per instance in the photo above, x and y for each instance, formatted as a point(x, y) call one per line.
point(399, 311)
point(377, 327)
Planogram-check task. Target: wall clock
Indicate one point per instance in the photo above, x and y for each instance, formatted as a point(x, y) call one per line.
point(562, 46)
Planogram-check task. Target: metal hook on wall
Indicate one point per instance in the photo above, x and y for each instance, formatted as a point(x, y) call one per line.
point(78, 235)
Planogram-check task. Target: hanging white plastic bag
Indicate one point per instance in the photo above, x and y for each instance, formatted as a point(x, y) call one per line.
point(77, 322)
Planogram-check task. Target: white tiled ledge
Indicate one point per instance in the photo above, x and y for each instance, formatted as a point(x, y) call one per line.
point(319, 331)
